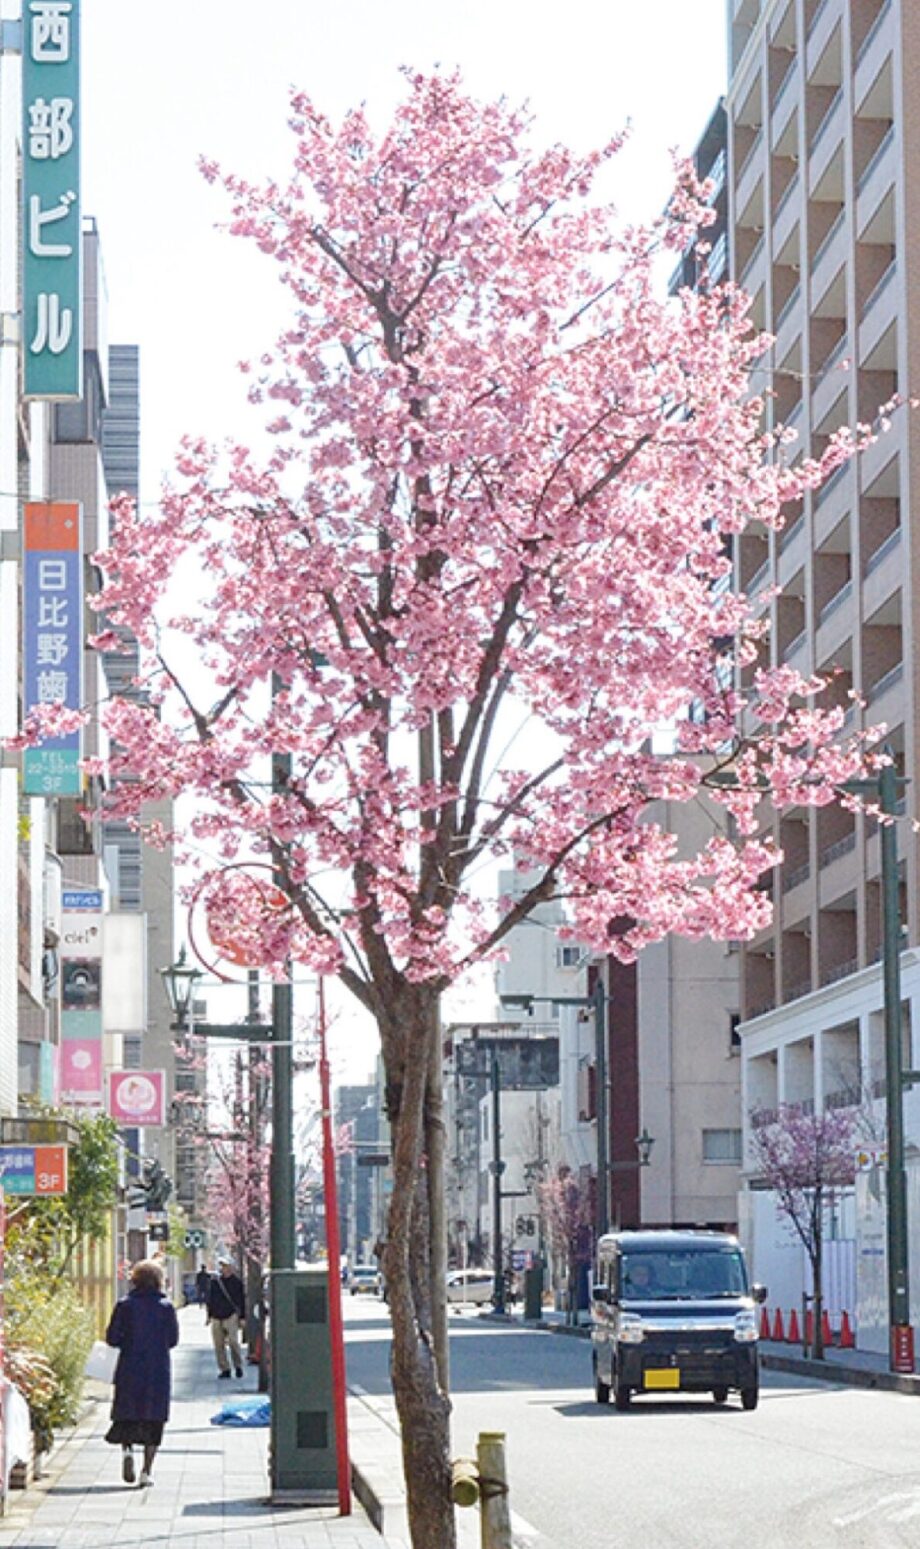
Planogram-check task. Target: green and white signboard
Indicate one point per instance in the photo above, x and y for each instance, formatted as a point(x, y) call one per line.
point(52, 343)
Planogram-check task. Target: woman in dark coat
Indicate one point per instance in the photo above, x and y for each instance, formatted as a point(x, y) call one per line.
point(144, 1327)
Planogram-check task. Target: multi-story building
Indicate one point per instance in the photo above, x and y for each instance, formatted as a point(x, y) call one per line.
point(821, 132)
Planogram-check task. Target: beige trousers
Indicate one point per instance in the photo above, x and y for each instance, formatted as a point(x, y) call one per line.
point(224, 1332)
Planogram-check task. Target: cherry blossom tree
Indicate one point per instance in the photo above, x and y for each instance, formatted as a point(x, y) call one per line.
point(566, 1207)
point(803, 1157)
point(503, 477)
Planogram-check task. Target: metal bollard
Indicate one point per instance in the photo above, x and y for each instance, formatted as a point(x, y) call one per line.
point(495, 1515)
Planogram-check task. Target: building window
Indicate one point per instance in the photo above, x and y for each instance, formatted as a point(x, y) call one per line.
point(734, 1037)
point(722, 1146)
point(569, 956)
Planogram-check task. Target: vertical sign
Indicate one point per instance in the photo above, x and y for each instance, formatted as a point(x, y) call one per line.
point(53, 639)
point(52, 344)
point(81, 998)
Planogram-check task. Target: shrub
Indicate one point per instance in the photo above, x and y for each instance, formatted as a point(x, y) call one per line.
point(49, 1333)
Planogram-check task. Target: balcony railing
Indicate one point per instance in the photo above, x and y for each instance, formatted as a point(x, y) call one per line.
point(827, 239)
point(717, 262)
point(794, 644)
point(841, 970)
point(787, 194)
point(822, 128)
point(880, 285)
point(834, 851)
point(758, 578)
point(787, 308)
point(716, 174)
point(796, 991)
point(866, 43)
point(826, 488)
point(841, 1099)
point(784, 85)
point(755, 147)
point(752, 260)
point(879, 555)
point(886, 681)
point(837, 601)
point(833, 360)
point(874, 160)
point(792, 877)
point(817, 16)
point(789, 534)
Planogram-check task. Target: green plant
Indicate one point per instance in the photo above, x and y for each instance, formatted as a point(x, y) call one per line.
point(49, 1333)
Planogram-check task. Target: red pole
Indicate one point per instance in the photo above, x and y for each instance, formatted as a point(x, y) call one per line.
point(333, 1255)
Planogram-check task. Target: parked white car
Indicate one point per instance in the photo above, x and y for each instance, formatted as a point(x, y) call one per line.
point(364, 1279)
point(469, 1287)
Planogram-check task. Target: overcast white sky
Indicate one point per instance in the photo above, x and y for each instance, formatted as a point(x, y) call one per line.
point(165, 82)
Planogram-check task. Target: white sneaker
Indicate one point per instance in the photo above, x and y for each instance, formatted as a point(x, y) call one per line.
point(145, 1478)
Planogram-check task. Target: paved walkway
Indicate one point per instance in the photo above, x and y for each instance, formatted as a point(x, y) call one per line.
point(210, 1481)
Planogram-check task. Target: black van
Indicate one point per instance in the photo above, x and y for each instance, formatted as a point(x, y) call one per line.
point(673, 1312)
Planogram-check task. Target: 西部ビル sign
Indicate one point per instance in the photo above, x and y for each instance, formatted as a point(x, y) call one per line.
point(52, 268)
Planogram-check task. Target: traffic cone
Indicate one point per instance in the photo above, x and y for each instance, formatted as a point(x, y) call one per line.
point(809, 1328)
point(764, 1323)
point(827, 1333)
point(847, 1342)
point(778, 1334)
point(793, 1336)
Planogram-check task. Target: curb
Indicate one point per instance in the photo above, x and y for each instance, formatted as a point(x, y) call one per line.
point(843, 1376)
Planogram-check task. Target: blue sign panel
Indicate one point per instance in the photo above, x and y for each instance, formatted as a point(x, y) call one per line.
point(53, 252)
point(53, 639)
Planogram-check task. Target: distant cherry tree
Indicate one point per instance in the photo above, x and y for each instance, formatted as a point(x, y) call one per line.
point(504, 478)
point(804, 1158)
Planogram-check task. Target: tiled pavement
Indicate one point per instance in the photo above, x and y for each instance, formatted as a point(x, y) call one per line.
point(210, 1481)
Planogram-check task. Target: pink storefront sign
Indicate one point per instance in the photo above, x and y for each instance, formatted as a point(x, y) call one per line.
point(137, 1096)
point(81, 1070)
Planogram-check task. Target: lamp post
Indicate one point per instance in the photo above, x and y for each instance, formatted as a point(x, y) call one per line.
point(179, 981)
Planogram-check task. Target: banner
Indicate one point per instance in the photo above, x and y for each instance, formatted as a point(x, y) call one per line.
point(52, 269)
point(81, 997)
point(52, 644)
point(34, 1169)
point(137, 1097)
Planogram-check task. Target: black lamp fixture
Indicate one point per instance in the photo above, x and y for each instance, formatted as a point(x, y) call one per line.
point(179, 981)
point(644, 1143)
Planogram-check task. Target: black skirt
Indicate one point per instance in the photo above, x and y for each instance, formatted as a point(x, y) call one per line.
point(135, 1433)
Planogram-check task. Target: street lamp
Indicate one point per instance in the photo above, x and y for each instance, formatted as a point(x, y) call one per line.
point(179, 982)
point(644, 1143)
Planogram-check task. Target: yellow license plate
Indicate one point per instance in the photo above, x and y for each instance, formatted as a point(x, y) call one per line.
point(663, 1377)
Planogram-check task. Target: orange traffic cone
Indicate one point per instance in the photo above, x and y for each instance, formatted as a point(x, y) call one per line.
point(793, 1336)
point(764, 1323)
point(809, 1328)
point(778, 1326)
point(847, 1342)
point(827, 1333)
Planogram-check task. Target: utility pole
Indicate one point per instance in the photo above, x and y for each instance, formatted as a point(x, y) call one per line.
point(898, 1286)
point(498, 1273)
point(602, 1208)
point(282, 1157)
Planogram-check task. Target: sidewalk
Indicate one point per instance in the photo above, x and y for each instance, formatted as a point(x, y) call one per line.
point(210, 1485)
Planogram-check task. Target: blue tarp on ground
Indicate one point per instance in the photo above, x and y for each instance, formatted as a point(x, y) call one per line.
point(255, 1410)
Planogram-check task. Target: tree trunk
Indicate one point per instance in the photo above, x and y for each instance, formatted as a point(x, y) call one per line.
point(414, 1265)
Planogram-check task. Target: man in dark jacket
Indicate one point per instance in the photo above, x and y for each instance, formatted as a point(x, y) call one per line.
point(226, 1310)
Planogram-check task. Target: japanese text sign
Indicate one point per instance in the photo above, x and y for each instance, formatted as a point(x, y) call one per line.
point(34, 1169)
point(52, 258)
point(137, 1097)
point(53, 639)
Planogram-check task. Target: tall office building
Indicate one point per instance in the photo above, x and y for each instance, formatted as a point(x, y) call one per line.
point(823, 182)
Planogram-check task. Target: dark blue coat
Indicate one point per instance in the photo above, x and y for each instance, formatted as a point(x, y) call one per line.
point(144, 1327)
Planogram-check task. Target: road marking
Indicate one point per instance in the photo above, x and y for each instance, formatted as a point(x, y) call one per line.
point(899, 1507)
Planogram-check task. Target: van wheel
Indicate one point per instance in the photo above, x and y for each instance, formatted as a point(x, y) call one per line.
point(719, 1395)
point(601, 1389)
point(621, 1396)
point(749, 1397)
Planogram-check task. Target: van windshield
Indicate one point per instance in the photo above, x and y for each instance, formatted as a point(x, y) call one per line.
point(690, 1274)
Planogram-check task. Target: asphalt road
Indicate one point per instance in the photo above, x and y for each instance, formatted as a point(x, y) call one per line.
point(814, 1466)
